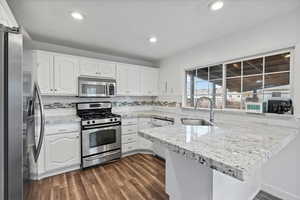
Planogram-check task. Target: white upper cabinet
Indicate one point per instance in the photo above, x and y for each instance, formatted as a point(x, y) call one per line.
point(108, 69)
point(93, 67)
point(57, 74)
point(149, 81)
point(66, 75)
point(89, 67)
point(45, 69)
point(128, 80)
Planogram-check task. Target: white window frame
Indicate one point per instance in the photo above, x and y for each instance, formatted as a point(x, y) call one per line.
point(261, 55)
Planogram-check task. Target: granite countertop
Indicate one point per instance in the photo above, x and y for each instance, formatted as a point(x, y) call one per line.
point(235, 151)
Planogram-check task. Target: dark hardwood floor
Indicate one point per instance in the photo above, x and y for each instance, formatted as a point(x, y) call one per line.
point(137, 177)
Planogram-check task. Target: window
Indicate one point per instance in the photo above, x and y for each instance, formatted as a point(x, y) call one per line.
point(233, 84)
point(204, 82)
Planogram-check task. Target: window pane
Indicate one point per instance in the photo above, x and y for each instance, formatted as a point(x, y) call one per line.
point(233, 100)
point(202, 74)
point(216, 72)
point(233, 93)
point(233, 69)
point(190, 87)
point(252, 89)
point(277, 81)
point(216, 92)
point(252, 83)
point(254, 66)
point(233, 85)
point(277, 63)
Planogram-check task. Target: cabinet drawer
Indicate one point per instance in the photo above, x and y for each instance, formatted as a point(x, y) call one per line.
point(128, 147)
point(62, 128)
point(129, 129)
point(129, 138)
point(132, 121)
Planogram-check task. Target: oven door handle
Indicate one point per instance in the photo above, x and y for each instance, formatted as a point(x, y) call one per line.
point(99, 128)
point(91, 158)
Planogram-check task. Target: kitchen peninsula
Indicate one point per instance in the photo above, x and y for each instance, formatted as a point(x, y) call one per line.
point(218, 162)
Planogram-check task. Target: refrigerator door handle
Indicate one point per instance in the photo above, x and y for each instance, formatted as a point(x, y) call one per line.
point(37, 94)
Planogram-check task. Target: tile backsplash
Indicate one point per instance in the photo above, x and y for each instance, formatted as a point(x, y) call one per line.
point(51, 102)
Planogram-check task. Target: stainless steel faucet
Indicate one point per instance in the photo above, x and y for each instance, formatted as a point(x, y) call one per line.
point(211, 110)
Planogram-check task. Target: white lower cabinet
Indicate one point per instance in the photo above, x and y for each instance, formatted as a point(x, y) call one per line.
point(62, 151)
point(130, 139)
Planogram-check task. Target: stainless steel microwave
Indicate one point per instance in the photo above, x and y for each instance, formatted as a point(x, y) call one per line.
point(96, 87)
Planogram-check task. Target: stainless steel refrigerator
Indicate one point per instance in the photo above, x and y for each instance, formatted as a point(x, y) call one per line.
point(21, 120)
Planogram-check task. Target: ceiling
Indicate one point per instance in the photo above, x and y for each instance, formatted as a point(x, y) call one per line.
point(122, 27)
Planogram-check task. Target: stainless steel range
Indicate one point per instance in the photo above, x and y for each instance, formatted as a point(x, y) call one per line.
point(100, 133)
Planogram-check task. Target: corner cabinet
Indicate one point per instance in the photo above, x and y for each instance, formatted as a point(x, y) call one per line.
point(149, 81)
point(133, 80)
point(57, 74)
point(128, 80)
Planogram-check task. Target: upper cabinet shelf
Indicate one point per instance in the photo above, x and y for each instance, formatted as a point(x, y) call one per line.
point(57, 74)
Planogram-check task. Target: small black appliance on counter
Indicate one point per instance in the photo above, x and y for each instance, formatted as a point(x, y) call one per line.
point(280, 106)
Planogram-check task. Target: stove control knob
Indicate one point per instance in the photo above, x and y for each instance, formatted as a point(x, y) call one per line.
point(88, 122)
point(116, 119)
point(93, 122)
point(111, 120)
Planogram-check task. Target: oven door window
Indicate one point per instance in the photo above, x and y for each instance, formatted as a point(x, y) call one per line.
point(93, 90)
point(103, 137)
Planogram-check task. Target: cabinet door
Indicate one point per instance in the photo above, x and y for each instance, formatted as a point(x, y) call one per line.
point(65, 75)
point(108, 70)
point(149, 81)
point(89, 68)
point(133, 77)
point(44, 64)
point(62, 150)
point(122, 80)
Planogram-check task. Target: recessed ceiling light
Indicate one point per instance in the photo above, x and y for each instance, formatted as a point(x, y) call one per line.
point(77, 15)
point(216, 5)
point(153, 39)
point(287, 56)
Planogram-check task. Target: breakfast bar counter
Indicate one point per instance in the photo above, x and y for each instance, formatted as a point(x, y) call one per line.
point(217, 162)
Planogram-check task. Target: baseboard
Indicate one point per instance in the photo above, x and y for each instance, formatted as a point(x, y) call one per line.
point(279, 193)
point(136, 151)
point(54, 172)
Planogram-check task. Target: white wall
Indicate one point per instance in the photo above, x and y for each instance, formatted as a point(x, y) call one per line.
point(281, 175)
point(278, 33)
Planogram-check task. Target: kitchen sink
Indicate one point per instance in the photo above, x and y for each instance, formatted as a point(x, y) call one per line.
point(195, 122)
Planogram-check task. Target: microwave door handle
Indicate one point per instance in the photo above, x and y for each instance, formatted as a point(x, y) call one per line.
point(37, 94)
point(107, 89)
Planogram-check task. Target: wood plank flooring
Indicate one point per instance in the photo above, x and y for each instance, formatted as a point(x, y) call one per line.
point(137, 177)
point(265, 196)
